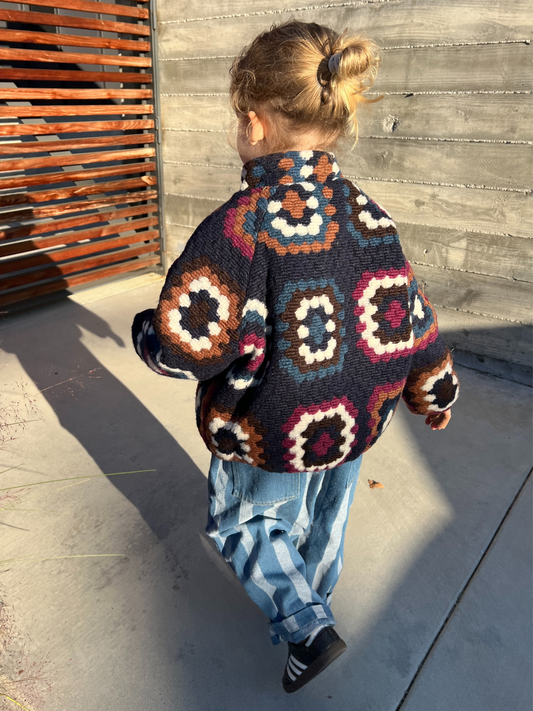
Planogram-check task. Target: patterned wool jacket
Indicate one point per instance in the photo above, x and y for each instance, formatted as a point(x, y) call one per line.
point(295, 308)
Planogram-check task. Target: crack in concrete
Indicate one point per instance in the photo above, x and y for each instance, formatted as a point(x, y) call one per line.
point(462, 591)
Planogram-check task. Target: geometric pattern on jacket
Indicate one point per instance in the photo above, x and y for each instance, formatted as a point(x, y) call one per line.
point(295, 308)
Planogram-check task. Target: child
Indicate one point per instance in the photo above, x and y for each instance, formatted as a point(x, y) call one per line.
point(295, 308)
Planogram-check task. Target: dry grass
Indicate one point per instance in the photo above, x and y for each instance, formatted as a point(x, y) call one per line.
point(23, 679)
point(16, 412)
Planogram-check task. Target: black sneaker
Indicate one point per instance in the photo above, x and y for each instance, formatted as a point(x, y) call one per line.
point(304, 663)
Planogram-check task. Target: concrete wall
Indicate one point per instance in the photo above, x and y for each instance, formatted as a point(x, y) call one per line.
point(448, 151)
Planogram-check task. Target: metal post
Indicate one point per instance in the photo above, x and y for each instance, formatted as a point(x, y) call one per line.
point(157, 120)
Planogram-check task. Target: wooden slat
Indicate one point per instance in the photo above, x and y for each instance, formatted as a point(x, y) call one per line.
point(176, 237)
point(404, 22)
point(200, 147)
point(38, 228)
point(78, 76)
point(495, 255)
point(88, 23)
point(443, 206)
point(202, 76)
point(30, 261)
point(498, 255)
point(204, 8)
point(8, 148)
point(501, 298)
point(444, 19)
point(72, 94)
point(471, 116)
point(74, 175)
point(42, 129)
point(54, 268)
point(192, 180)
point(77, 159)
point(189, 211)
point(38, 55)
point(108, 110)
point(463, 208)
point(62, 193)
point(68, 282)
point(200, 112)
point(92, 6)
point(494, 165)
point(485, 164)
point(486, 336)
point(498, 67)
point(9, 249)
point(59, 40)
point(505, 117)
point(36, 213)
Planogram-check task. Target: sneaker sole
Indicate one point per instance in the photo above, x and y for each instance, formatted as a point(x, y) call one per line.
point(318, 666)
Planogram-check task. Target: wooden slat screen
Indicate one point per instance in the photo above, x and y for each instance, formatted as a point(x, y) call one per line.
point(78, 179)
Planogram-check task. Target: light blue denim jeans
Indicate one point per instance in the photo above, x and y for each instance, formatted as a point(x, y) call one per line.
point(283, 535)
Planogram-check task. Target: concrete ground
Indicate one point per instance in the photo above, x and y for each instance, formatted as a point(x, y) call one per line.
point(131, 610)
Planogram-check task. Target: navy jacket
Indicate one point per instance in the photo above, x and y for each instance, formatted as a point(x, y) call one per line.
point(295, 308)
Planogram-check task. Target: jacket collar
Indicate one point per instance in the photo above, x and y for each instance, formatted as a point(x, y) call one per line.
point(290, 167)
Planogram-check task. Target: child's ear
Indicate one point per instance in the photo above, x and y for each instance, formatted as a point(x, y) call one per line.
point(257, 131)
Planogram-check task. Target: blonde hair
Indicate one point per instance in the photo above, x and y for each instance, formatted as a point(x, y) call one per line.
point(305, 78)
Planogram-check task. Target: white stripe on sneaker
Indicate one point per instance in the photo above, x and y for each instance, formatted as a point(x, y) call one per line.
point(309, 641)
point(289, 673)
point(297, 663)
point(293, 669)
point(292, 666)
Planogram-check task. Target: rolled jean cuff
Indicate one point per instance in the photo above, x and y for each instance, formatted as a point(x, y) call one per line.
point(300, 625)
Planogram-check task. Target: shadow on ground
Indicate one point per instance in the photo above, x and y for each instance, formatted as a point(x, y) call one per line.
point(115, 428)
point(410, 547)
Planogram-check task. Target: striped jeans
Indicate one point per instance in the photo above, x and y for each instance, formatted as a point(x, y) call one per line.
point(283, 535)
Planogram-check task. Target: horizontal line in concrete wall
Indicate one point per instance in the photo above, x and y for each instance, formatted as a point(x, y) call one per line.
point(196, 197)
point(478, 313)
point(456, 269)
point(201, 165)
point(364, 177)
point(452, 92)
point(412, 261)
point(456, 44)
point(401, 223)
point(381, 138)
point(281, 11)
point(383, 49)
point(198, 59)
point(213, 130)
point(443, 185)
point(429, 138)
point(384, 93)
point(211, 93)
point(461, 229)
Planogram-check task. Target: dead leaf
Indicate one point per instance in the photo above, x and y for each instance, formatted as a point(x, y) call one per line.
point(375, 484)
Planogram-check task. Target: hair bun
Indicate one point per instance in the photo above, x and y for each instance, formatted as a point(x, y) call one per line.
point(303, 76)
point(353, 59)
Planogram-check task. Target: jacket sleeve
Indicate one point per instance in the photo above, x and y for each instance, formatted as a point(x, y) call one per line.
point(195, 329)
point(432, 384)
